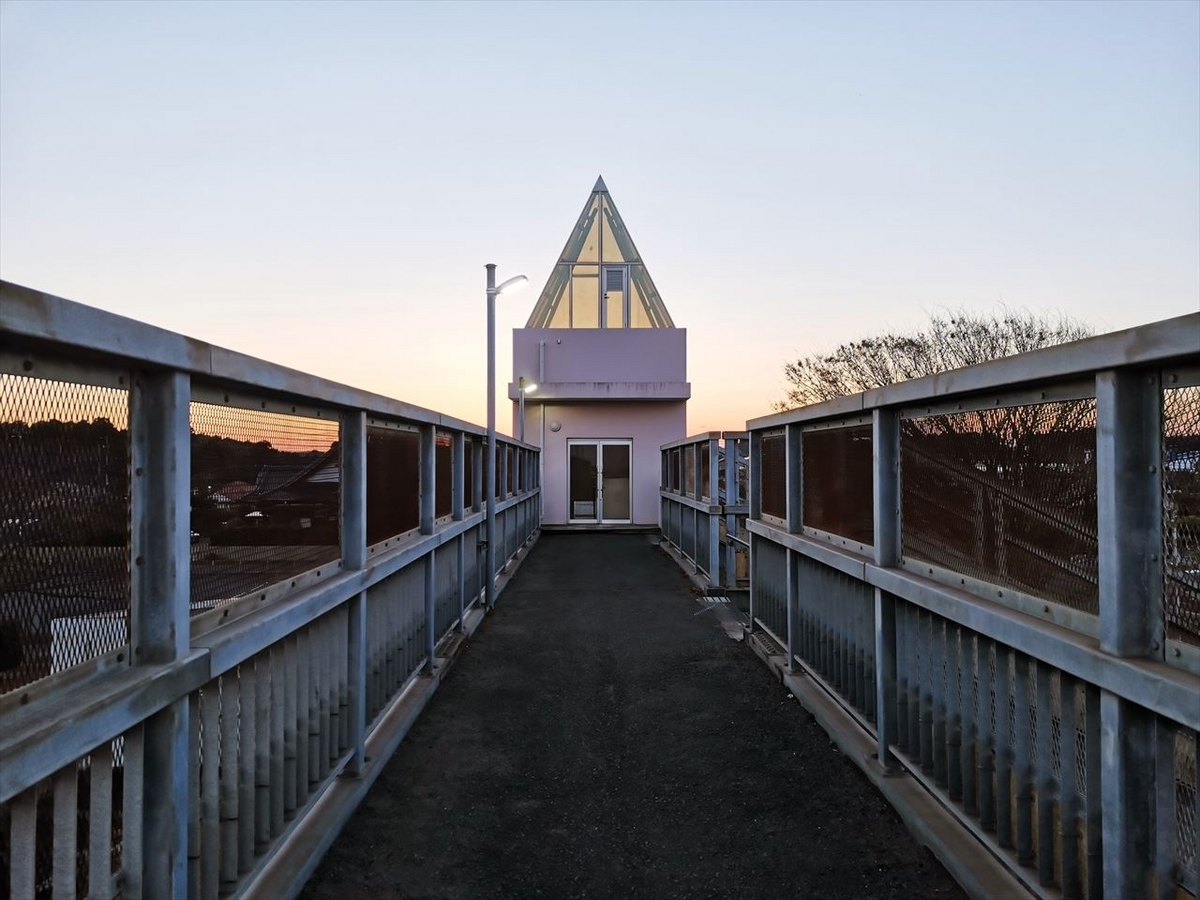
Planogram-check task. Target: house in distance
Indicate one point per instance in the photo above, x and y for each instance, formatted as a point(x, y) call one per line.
point(611, 373)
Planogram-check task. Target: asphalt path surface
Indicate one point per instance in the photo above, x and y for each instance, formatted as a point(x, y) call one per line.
point(598, 738)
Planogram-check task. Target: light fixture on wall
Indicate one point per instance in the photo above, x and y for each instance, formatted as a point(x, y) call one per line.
point(493, 291)
point(523, 388)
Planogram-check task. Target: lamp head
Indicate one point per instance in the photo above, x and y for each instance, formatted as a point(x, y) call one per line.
point(511, 284)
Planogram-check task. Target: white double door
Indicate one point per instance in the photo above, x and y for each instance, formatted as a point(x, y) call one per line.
point(598, 480)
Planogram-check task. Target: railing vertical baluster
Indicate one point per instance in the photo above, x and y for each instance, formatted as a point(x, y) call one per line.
point(1165, 831)
point(230, 734)
point(900, 665)
point(194, 813)
point(986, 680)
point(303, 719)
point(133, 808)
point(1024, 710)
point(925, 624)
point(937, 675)
point(100, 824)
point(1068, 795)
point(1004, 745)
point(210, 791)
point(248, 741)
point(66, 830)
point(23, 836)
point(290, 718)
point(793, 610)
point(954, 737)
point(1044, 776)
point(968, 731)
point(275, 713)
point(1095, 800)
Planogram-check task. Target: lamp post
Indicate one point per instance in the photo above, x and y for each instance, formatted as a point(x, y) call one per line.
point(493, 291)
point(522, 390)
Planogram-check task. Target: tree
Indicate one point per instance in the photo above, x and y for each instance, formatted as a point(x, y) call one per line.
point(952, 339)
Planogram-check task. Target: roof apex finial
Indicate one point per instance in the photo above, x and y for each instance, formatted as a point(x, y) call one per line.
point(600, 186)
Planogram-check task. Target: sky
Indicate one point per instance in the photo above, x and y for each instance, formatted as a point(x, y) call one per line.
point(321, 184)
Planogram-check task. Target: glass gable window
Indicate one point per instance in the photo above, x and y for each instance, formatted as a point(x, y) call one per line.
point(600, 280)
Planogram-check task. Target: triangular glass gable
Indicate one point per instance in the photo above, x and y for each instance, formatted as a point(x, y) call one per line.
point(600, 280)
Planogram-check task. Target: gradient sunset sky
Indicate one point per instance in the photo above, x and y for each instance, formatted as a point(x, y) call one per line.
point(320, 184)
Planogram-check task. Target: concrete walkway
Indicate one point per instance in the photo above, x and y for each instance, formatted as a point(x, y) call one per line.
point(599, 739)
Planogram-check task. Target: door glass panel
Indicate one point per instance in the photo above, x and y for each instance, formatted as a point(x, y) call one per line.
point(583, 481)
point(616, 481)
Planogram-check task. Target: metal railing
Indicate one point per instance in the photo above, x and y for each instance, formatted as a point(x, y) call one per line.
point(703, 505)
point(226, 588)
point(996, 573)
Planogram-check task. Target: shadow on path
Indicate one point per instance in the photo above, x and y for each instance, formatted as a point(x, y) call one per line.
point(600, 739)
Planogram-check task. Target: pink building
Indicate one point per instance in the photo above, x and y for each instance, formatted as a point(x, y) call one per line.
point(610, 370)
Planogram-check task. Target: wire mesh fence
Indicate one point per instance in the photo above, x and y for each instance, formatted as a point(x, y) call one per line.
point(393, 482)
point(265, 499)
point(838, 482)
point(64, 525)
point(774, 475)
point(1181, 512)
point(1006, 496)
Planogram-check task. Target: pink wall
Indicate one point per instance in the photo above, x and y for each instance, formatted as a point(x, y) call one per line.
point(602, 354)
point(648, 424)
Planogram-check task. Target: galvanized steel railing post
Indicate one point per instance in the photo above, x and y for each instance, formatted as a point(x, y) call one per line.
point(460, 502)
point(428, 499)
point(793, 453)
point(354, 558)
point(754, 488)
point(714, 519)
point(160, 520)
point(1129, 512)
point(885, 444)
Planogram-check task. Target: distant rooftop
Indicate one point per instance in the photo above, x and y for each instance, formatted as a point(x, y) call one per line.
point(600, 280)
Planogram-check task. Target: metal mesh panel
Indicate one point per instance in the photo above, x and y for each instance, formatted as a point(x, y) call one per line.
point(393, 483)
point(470, 449)
point(705, 451)
point(443, 467)
point(1181, 512)
point(675, 469)
point(838, 482)
point(689, 470)
point(774, 475)
point(264, 499)
point(64, 525)
point(1007, 496)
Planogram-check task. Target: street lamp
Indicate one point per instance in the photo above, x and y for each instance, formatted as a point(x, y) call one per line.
point(522, 390)
point(493, 291)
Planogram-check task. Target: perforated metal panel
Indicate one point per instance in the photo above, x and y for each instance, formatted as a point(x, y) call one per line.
point(774, 475)
point(1007, 496)
point(838, 482)
point(64, 525)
